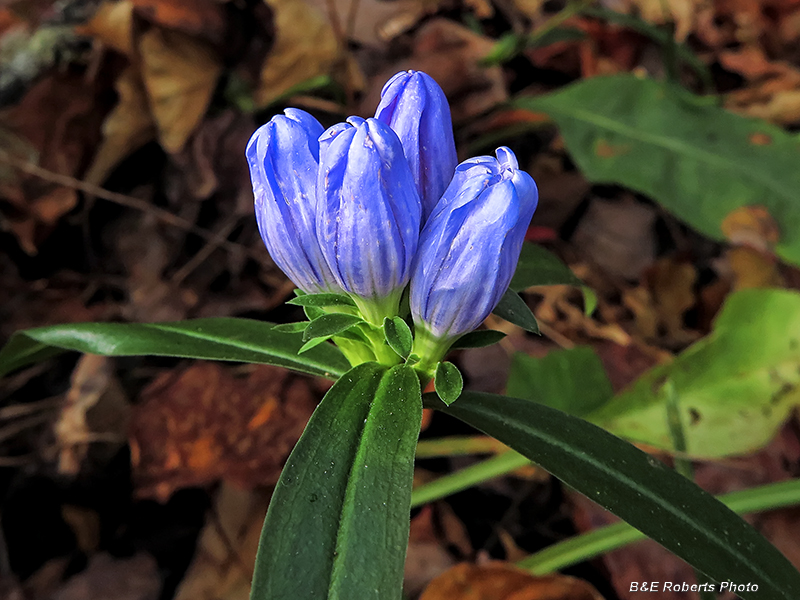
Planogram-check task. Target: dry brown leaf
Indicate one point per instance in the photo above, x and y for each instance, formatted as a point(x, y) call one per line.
point(681, 12)
point(449, 53)
point(55, 126)
point(432, 529)
point(134, 578)
point(180, 74)
point(530, 8)
point(752, 63)
point(112, 25)
point(753, 269)
point(305, 47)
point(376, 21)
point(85, 524)
point(222, 567)
point(202, 424)
point(782, 107)
point(502, 581)
point(145, 252)
point(618, 236)
point(672, 284)
point(95, 410)
point(127, 127)
point(751, 226)
point(199, 18)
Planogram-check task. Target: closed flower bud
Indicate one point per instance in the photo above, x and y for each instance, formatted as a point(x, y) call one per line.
point(469, 249)
point(368, 214)
point(284, 157)
point(415, 107)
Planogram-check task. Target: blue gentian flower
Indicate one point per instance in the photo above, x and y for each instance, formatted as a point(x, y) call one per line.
point(469, 248)
point(415, 107)
point(368, 213)
point(283, 156)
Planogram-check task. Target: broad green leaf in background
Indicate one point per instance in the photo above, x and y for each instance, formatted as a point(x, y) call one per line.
point(733, 389)
point(571, 380)
point(242, 340)
point(636, 487)
point(337, 526)
point(699, 161)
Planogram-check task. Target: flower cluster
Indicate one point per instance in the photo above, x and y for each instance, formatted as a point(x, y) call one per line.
point(373, 207)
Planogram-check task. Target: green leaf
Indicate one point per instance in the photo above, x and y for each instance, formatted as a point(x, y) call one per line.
point(699, 161)
point(448, 382)
point(733, 389)
point(478, 339)
point(337, 526)
point(599, 541)
point(242, 340)
point(538, 266)
point(323, 300)
point(636, 487)
point(398, 335)
point(298, 327)
point(313, 343)
point(513, 309)
point(329, 325)
point(571, 380)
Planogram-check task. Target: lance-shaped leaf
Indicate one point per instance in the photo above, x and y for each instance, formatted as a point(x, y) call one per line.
point(636, 487)
point(337, 526)
point(242, 340)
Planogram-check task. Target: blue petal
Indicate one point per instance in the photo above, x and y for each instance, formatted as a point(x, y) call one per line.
point(470, 246)
point(283, 156)
point(369, 211)
point(415, 107)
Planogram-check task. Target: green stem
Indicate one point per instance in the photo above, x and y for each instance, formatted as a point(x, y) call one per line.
point(459, 445)
point(430, 350)
point(374, 310)
point(461, 480)
point(589, 545)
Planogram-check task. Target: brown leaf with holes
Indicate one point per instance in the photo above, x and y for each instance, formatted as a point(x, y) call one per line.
point(202, 424)
point(180, 74)
point(503, 581)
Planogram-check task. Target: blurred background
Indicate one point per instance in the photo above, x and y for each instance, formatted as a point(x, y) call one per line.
point(125, 196)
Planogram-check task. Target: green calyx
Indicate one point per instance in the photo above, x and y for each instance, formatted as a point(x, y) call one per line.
point(428, 351)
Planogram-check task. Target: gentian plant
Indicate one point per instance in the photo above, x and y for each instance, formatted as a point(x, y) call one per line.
point(399, 255)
